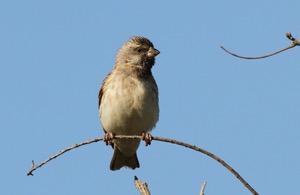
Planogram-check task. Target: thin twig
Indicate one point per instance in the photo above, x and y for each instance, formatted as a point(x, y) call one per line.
point(193, 147)
point(295, 42)
point(212, 156)
point(203, 188)
point(142, 187)
point(33, 168)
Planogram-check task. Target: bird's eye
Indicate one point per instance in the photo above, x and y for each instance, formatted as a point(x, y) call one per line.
point(139, 50)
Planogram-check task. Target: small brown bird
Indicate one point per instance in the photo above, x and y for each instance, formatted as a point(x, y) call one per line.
point(128, 100)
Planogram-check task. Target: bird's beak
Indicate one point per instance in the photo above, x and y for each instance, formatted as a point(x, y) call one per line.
point(152, 52)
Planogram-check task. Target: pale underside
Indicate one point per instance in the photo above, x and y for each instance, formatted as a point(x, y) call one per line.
point(129, 106)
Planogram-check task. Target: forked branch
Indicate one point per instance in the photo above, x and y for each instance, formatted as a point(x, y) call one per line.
point(193, 147)
point(295, 42)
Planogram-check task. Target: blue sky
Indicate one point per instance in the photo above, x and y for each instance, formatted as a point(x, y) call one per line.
point(55, 54)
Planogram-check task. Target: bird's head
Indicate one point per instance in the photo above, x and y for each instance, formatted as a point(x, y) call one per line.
point(137, 51)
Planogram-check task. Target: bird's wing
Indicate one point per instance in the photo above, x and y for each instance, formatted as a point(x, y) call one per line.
point(102, 91)
point(100, 96)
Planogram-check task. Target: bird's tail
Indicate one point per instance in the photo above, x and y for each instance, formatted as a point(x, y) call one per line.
point(119, 160)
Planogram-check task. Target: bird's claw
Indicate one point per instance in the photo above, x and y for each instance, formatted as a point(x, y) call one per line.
point(108, 137)
point(147, 138)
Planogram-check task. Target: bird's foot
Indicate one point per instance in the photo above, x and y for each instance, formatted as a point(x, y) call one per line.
point(147, 138)
point(108, 137)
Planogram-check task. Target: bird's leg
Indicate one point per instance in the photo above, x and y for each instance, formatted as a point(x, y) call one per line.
point(147, 138)
point(108, 137)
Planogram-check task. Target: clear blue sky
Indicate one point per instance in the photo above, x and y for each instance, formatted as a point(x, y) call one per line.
point(55, 54)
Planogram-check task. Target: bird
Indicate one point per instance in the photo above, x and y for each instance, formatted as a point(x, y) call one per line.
point(128, 101)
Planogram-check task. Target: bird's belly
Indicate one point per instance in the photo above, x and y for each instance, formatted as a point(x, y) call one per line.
point(129, 111)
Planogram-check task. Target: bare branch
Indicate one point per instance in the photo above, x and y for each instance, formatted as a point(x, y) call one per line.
point(33, 168)
point(212, 156)
point(193, 147)
point(295, 42)
point(142, 187)
point(203, 188)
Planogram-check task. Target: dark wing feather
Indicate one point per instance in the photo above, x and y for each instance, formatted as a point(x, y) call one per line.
point(101, 91)
point(100, 95)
